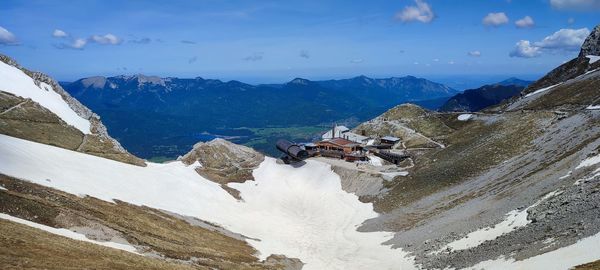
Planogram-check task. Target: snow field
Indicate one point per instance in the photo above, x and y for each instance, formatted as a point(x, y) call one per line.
point(298, 212)
point(15, 81)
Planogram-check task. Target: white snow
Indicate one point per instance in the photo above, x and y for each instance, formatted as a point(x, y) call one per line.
point(566, 175)
point(513, 220)
point(464, 117)
point(15, 81)
point(589, 162)
point(298, 212)
point(593, 58)
point(68, 234)
point(375, 161)
point(2, 188)
point(542, 90)
point(593, 107)
point(583, 251)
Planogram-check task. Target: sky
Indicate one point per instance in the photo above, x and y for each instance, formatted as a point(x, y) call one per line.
point(276, 41)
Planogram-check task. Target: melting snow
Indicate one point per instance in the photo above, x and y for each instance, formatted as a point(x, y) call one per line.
point(593, 58)
point(542, 90)
point(376, 161)
point(2, 188)
point(593, 107)
point(298, 212)
point(514, 219)
point(68, 234)
point(563, 258)
point(15, 81)
point(589, 162)
point(464, 117)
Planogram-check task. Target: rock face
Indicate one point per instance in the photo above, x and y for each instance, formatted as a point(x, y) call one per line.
point(591, 45)
point(223, 161)
point(26, 119)
point(577, 66)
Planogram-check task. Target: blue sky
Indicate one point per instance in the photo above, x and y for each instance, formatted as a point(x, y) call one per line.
point(275, 41)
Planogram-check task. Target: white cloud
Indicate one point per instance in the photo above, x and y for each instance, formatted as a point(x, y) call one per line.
point(6, 37)
point(436, 60)
point(524, 49)
point(561, 40)
point(79, 43)
point(575, 4)
point(495, 19)
point(108, 39)
point(474, 53)
point(571, 21)
point(357, 61)
point(564, 39)
point(59, 33)
point(421, 12)
point(451, 62)
point(526, 22)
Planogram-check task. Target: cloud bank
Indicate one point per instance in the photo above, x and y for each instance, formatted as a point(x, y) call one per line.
point(81, 43)
point(565, 40)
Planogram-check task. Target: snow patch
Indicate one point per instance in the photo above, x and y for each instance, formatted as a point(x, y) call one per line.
point(588, 162)
point(68, 233)
point(593, 58)
point(15, 81)
point(566, 175)
point(464, 117)
point(298, 212)
point(542, 90)
point(2, 188)
point(562, 258)
point(375, 161)
point(513, 220)
point(593, 107)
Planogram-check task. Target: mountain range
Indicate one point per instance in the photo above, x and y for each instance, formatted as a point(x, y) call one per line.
point(187, 110)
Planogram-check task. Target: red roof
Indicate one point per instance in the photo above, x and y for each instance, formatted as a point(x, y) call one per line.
point(341, 142)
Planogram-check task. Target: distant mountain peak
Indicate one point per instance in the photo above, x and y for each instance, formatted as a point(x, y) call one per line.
point(514, 81)
point(300, 81)
point(95, 82)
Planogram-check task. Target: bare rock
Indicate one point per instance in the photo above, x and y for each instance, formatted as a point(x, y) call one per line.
point(223, 161)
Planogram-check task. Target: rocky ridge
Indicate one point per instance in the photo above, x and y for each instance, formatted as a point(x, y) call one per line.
point(25, 119)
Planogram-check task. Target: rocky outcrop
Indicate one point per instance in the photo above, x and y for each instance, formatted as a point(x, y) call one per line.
point(591, 45)
point(24, 118)
point(224, 162)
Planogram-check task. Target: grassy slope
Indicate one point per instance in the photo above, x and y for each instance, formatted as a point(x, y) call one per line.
point(159, 232)
point(23, 247)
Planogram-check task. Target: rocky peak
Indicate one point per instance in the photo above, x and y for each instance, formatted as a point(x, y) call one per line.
point(299, 81)
point(591, 45)
point(223, 161)
point(95, 82)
